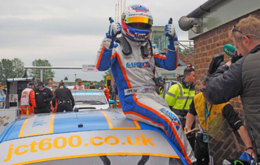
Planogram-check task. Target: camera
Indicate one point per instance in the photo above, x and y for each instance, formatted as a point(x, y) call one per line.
point(217, 60)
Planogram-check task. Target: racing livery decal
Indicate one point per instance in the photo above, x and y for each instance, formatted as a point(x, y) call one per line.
point(85, 144)
point(37, 125)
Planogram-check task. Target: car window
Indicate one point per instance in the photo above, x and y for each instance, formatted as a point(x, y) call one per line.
point(94, 97)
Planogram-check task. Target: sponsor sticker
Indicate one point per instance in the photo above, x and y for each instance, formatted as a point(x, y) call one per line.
point(85, 144)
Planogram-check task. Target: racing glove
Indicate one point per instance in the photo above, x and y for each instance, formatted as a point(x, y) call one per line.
point(114, 30)
point(169, 31)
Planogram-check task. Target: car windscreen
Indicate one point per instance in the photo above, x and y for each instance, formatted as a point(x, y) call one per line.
point(91, 97)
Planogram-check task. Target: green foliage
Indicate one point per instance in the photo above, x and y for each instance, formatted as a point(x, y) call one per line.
point(47, 73)
point(19, 67)
point(11, 69)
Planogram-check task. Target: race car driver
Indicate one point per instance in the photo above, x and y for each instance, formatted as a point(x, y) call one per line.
point(132, 60)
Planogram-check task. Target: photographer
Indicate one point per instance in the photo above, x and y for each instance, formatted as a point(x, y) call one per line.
point(200, 108)
point(241, 78)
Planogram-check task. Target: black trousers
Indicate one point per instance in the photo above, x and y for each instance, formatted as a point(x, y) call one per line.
point(201, 151)
point(64, 107)
point(42, 110)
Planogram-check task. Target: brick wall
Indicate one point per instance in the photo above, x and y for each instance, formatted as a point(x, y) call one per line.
point(187, 58)
point(210, 43)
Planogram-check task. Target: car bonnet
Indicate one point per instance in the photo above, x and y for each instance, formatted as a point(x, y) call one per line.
point(68, 135)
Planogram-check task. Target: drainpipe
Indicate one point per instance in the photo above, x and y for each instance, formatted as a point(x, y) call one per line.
point(204, 8)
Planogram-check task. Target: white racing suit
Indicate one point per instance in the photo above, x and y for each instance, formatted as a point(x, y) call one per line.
point(134, 75)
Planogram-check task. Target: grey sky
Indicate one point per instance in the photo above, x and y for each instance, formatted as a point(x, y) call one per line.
point(69, 32)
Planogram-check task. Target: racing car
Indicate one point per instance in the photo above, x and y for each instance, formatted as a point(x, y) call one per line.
point(89, 99)
point(85, 138)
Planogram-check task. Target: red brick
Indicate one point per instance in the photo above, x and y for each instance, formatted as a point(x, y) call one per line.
point(210, 52)
point(210, 41)
point(215, 38)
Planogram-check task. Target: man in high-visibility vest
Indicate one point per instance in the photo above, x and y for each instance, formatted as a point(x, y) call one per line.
point(28, 100)
point(180, 95)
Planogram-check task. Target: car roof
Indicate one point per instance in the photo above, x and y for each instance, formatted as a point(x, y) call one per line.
point(104, 124)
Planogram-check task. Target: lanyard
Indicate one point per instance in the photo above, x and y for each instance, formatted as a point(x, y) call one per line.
point(207, 113)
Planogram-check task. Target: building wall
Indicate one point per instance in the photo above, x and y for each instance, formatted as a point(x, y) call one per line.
point(187, 58)
point(210, 43)
point(158, 38)
point(224, 12)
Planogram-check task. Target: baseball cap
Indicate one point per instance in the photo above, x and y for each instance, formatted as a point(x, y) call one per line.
point(40, 84)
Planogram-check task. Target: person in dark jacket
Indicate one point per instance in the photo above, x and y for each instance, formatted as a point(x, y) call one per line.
point(43, 97)
point(242, 78)
point(201, 109)
point(64, 98)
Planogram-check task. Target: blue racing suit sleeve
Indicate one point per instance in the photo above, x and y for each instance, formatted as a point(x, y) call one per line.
point(103, 62)
point(104, 55)
point(224, 86)
point(169, 62)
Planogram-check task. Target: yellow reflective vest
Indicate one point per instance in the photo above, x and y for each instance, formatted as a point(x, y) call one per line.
point(179, 98)
point(161, 91)
point(214, 111)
